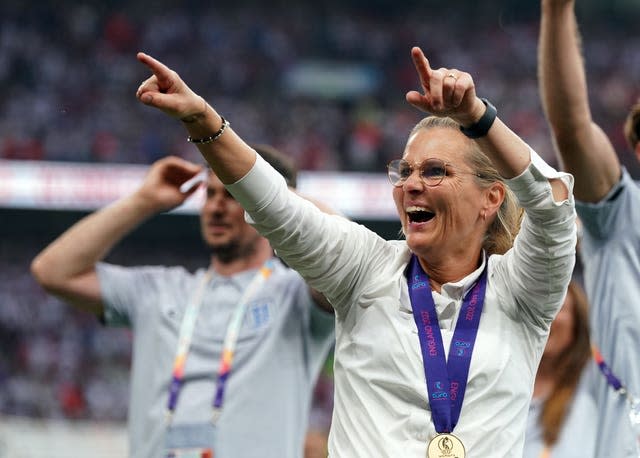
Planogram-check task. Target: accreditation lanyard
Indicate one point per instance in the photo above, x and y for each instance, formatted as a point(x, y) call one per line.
point(233, 328)
point(446, 379)
point(612, 379)
point(618, 387)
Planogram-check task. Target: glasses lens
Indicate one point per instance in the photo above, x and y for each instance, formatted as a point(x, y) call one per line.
point(398, 170)
point(433, 171)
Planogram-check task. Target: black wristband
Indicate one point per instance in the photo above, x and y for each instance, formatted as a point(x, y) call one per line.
point(480, 128)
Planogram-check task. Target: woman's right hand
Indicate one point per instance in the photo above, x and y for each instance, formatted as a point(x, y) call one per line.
point(166, 91)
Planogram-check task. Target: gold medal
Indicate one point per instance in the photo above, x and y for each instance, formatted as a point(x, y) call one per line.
point(445, 446)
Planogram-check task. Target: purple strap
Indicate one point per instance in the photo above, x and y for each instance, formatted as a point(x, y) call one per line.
point(446, 380)
point(221, 383)
point(606, 370)
point(174, 390)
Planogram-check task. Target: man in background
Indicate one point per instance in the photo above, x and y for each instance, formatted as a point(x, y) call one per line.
point(225, 359)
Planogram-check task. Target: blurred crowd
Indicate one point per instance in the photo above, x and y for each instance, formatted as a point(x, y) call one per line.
point(56, 362)
point(68, 75)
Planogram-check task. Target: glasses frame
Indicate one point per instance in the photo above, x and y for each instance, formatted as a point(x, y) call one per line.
point(393, 170)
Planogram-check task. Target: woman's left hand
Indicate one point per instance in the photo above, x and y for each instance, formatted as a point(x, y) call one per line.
point(446, 92)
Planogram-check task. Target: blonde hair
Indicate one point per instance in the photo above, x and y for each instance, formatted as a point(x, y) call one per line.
point(502, 231)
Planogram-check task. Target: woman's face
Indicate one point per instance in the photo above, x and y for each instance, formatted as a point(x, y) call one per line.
point(444, 219)
point(562, 332)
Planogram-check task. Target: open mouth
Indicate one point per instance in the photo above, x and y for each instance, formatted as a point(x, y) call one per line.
point(419, 214)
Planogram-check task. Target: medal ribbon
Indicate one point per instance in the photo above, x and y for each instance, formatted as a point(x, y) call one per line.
point(446, 379)
point(186, 333)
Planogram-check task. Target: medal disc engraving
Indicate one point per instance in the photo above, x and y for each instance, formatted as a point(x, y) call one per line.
point(445, 446)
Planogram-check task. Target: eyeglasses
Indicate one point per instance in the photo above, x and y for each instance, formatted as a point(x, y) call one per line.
point(432, 171)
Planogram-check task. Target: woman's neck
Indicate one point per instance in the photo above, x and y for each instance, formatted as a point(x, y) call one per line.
point(448, 269)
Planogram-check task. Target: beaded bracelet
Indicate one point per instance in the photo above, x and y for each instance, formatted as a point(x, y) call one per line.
point(211, 139)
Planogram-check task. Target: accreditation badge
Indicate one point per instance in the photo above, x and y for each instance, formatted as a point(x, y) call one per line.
point(191, 440)
point(445, 446)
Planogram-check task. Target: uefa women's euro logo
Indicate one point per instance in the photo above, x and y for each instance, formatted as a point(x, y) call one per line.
point(418, 283)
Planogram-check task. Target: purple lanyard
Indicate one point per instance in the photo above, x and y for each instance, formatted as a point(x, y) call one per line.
point(446, 380)
point(612, 380)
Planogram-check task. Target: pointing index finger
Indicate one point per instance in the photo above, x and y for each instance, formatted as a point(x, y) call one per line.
point(422, 66)
point(165, 77)
point(157, 67)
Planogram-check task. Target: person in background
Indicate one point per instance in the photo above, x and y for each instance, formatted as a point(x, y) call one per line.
point(608, 204)
point(458, 283)
point(224, 359)
point(320, 417)
point(563, 408)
